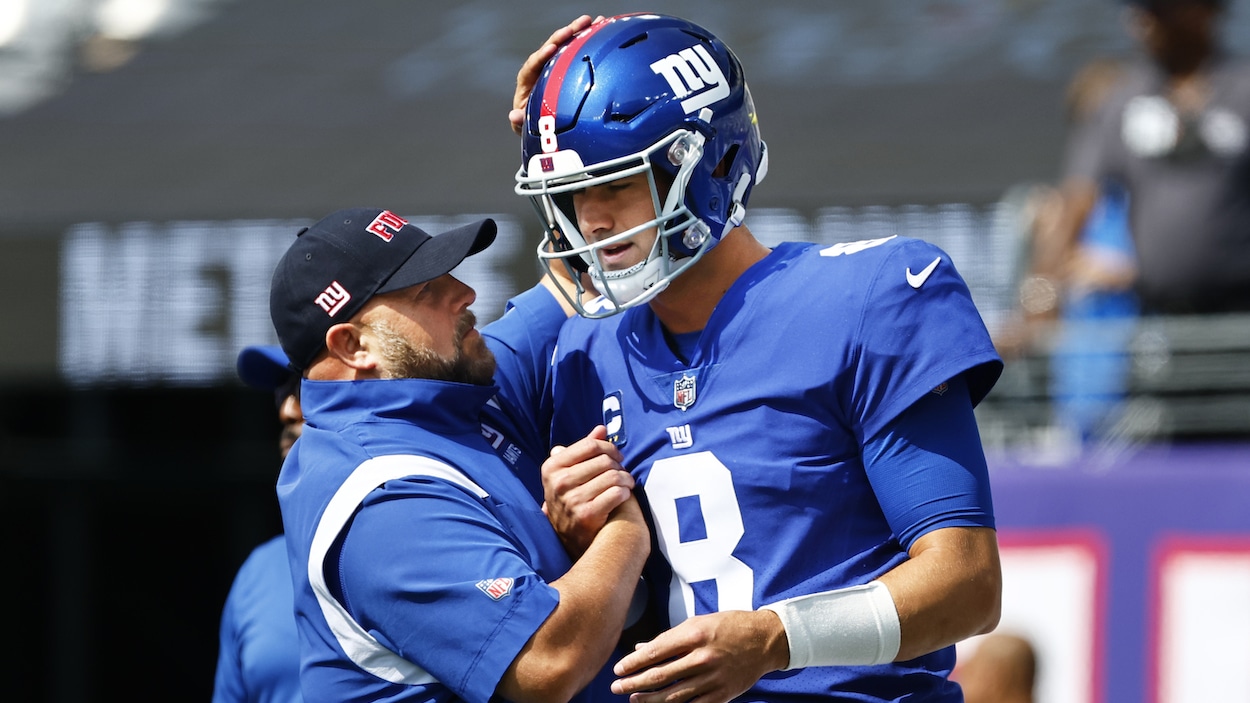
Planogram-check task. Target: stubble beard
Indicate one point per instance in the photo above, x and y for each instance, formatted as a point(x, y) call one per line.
point(473, 364)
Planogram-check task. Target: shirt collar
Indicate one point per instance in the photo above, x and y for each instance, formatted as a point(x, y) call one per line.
point(440, 406)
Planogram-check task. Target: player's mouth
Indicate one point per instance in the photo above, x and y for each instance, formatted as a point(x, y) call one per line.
point(616, 256)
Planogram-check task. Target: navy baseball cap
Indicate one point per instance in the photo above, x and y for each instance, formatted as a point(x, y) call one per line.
point(264, 367)
point(336, 266)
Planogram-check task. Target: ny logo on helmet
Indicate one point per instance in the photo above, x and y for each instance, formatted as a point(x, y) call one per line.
point(694, 76)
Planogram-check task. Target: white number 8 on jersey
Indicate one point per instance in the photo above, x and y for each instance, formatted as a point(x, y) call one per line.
point(710, 558)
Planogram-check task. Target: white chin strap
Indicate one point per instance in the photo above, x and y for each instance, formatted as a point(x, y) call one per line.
point(628, 287)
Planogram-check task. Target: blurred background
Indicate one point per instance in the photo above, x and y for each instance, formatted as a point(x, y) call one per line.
point(157, 156)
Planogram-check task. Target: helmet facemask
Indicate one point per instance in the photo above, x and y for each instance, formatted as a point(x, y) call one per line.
point(674, 158)
point(632, 94)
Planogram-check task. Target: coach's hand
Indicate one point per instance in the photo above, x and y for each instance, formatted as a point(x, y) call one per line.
point(533, 67)
point(582, 484)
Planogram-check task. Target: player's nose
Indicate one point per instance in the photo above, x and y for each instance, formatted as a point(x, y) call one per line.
point(594, 217)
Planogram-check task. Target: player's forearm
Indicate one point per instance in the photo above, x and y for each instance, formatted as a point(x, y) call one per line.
point(950, 589)
point(564, 289)
point(578, 637)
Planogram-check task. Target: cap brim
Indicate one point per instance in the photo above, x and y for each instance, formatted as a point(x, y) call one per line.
point(264, 367)
point(440, 254)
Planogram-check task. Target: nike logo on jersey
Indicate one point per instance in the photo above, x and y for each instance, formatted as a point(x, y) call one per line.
point(915, 280)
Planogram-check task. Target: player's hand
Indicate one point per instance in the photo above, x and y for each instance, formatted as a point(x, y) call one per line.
point(582, 484)
point(533, 67)
point(713, 658)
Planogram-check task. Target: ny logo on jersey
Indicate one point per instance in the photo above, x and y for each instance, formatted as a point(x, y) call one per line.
point(680, 437)
point(694, 76)
point(848, 248)
point(613, 418)
point(333, 298)
point(684, 392)
point(384, 223)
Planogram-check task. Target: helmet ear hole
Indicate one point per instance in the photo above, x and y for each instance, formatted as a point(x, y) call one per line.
point(663, 182)
point(722, 168)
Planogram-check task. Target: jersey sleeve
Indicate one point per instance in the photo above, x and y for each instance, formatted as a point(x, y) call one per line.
point(259, 651)
point(575, 398)
point(434, 574)
point(918, 328)
point(523, 341)
point(228, 680)
point(927, 468)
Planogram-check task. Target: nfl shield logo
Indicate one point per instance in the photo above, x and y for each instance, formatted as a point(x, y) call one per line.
point(683, 392)
point(496, 588)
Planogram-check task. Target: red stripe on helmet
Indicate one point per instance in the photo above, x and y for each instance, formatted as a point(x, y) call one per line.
point(551, 93)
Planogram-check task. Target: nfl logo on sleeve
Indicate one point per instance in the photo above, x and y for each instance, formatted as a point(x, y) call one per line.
point(496, 588)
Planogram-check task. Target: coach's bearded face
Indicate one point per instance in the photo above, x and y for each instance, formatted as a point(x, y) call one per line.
point(472, 361)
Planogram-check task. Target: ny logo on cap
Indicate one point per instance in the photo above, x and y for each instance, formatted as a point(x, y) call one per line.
point(384, 223)
point(333, 298)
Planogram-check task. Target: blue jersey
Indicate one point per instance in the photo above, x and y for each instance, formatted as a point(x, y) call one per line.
point(749, 452)
point(258, 661)
point(523, 341)
point(259, 652)
point(421, 564)
point(421, 561)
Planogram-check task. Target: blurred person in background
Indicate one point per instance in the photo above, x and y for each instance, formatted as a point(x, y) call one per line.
point(1077, 302)
point(1173, 133)
point(1002, 668)
point(258, 660)
point(1152, 215)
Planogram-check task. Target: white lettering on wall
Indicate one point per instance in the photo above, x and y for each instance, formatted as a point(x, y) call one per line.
point(172, 303)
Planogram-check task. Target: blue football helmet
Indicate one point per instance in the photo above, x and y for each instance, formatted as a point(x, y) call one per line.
point(640, 93)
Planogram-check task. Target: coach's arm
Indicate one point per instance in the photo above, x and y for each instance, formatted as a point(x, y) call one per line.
point(575, 641)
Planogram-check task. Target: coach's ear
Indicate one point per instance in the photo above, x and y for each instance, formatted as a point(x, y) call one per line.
point(346, 345)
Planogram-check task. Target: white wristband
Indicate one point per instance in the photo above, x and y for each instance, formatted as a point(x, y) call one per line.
point(849, 626)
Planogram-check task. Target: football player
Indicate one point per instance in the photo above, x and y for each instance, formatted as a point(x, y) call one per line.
point(799, 419)
point(258, 655)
